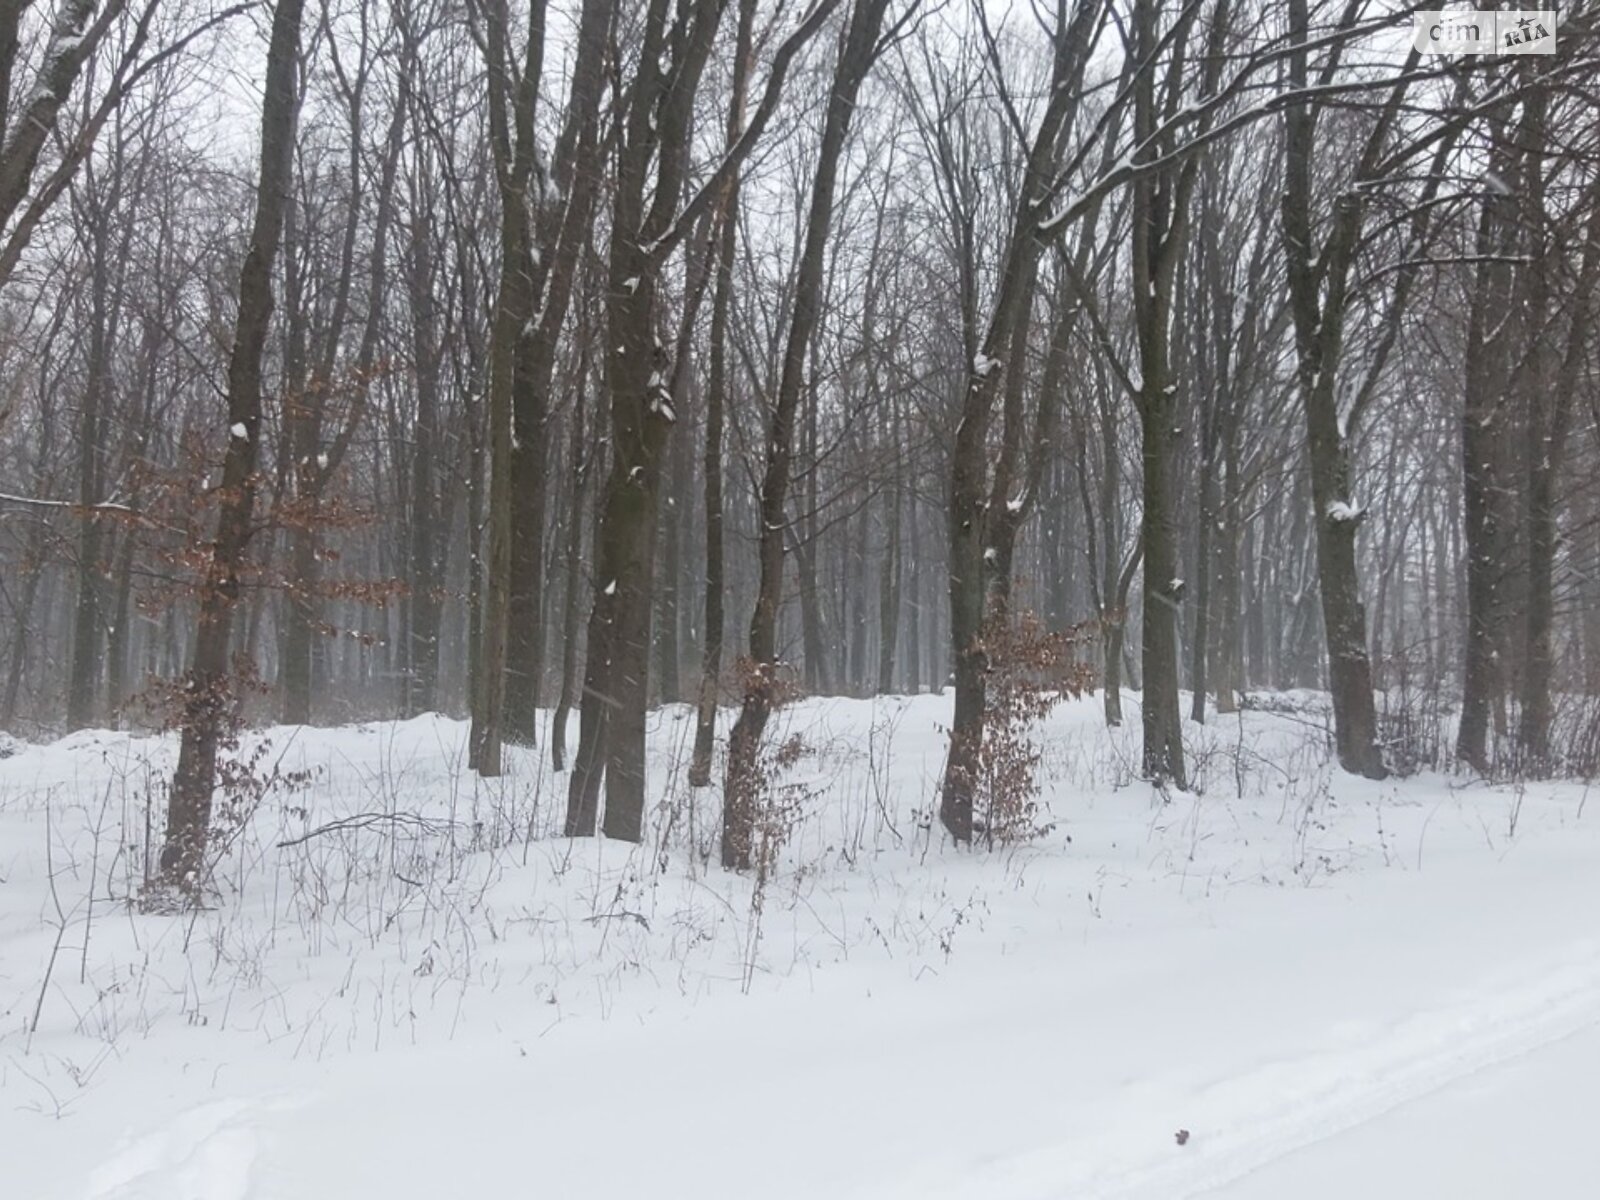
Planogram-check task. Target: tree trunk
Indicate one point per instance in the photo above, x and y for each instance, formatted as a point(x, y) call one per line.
point(1163, 585)
point(1226, 662)
point(545, 223)
point(524, 637)
point(580, 458)
point(1482, 434)
point(727, 226)
point(207, 695)
point(1318, 300)
point(890, 572)
point(423, 553)
point(762, 685)
point(1553, 389)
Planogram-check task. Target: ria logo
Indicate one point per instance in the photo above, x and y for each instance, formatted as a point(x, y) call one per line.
point(1485, 31)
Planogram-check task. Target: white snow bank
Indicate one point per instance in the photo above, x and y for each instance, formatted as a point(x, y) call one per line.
point(1281, 966)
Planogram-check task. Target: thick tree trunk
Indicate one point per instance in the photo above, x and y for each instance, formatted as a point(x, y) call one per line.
point(88, 619)
point(1553, 388)
point(1318, 302)
point(914, 671)
point(513, 305)
point(545, 223)
point(1163, 583)
point(1160, 220)
point(668, 650)
point(1537, 709)
point(1344, 620)
point(1202, 635)
point(1482, 435)
point(814, 640)
point(32, 560)
point(119, 640)
point(616, 674)
point(296, 673)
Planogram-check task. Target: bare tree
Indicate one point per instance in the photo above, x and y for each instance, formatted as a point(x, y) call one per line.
point(206, 690)
point(649, 220)
point(860, 47)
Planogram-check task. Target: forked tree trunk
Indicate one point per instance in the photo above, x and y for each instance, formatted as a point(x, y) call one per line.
point(1318, 289)
point(545, 224)
point(512, 105)
point(1161, 218)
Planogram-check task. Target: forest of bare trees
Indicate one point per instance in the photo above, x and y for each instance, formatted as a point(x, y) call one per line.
point(549, 363)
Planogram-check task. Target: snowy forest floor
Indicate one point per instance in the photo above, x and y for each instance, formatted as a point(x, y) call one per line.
point(1334, 986)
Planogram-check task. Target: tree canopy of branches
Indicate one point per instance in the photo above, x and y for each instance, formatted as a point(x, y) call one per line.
point(485, 358)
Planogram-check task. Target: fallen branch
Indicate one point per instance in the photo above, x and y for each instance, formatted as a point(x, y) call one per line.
point(107, 506)
point(367, 820)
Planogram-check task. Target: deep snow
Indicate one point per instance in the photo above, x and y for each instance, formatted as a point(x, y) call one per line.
point(1330, 984)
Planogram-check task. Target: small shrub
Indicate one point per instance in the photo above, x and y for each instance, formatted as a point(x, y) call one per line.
point(1030, 671)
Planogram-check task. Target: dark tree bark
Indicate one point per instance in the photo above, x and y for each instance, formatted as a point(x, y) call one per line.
point(820, 672)
point(511, 135)
point(655, 114)
point(207, 698)
point(1552, 393)
point(88, 619)
point(424, 551)
point(762, 684)
point(891, 569)
point(580, 457)
point(1162, 202)
point(969, 468)
point(1318, 289)
point(1485, 377)
point(699, 266)
point(1226, 660)
point(545, 223)
point(727, 226)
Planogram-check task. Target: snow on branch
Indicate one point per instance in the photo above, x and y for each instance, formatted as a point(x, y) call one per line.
point(1129, 166)
point(71, 505)
point(1342, 512)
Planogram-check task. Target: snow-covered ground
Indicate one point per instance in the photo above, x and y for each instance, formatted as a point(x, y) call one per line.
point(1334, 987)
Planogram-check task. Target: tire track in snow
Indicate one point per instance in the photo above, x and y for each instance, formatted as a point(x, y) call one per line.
point(1242, 1122)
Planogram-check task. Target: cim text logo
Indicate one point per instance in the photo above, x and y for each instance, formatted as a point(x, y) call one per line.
point(1485, 31)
